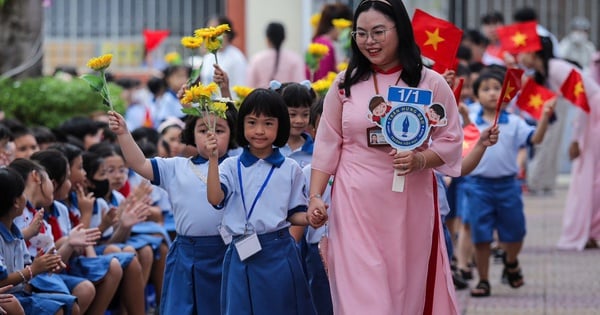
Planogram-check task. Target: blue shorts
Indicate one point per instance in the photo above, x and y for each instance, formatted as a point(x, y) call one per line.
point(456, 197)
point(45, 303)
point(55, 283)
point(496, 204)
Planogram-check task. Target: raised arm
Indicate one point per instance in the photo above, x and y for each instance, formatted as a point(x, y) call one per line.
point(214, 192)
point(133, 154)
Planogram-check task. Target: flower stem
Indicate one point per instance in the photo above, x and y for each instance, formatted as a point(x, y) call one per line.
point(216, 59)
point(106, 96)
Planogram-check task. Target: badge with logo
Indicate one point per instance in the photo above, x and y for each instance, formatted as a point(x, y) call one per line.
point(406, 120)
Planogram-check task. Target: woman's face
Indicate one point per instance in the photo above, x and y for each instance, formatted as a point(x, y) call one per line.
point(381, 51)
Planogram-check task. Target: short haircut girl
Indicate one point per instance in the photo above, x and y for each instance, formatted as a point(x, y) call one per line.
point(268, 103)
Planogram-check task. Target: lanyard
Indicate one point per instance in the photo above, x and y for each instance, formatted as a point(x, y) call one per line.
point(375, 82)
point(260, 191)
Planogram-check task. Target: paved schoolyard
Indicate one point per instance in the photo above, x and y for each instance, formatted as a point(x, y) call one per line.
point(557, 282)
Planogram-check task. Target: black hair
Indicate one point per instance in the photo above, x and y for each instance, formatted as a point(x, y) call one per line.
point(438, 109)
point(147, 133)
point(476, 37)
point(545, 54)
point(187, 135)
point(268, 103)
point(70, 151)
point(329, 13)
point(462, 70)
point(464, 53)
point(409, 54)
point(168, 71)
point(43, 135)
point(12, 186)
point(487, 75)
point(494, 17)
point(148, 148)
point(276, 35)
point(105, 149)
point(5, 132)
point(156, 85)
point(525, 14)
point(25, 166)
point(91, 164)
point(19, 131)
point(316, 110)
point(128, 83)
point(476, 67)
point(78, 127)
point(55, 163)
point(297, 95)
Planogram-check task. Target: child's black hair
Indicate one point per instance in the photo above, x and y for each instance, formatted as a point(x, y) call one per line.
point(5, 132)
point(494, 17)
point(148, 148)
point(105, 149)
point(267, 103)
point(156, 85)
point(187, 135)
point(55, 163)
point(91, 163)
point(70, 151)
point(316, 110)
point(147, 133)
point(19, 131)
point(77, 127)
point(296, 95)
point(25, 166)
point(43, 135)
point(486, 75)
point(12, 186)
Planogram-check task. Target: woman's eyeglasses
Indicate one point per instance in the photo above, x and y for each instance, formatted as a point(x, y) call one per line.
point(377, 35)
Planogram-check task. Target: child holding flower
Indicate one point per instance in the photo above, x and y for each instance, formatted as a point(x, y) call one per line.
point(192, 281)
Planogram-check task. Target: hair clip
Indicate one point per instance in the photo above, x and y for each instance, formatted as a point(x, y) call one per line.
point(274, 85)
point(306, 83)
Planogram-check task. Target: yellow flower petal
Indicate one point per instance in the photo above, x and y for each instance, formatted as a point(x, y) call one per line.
point(318, 50)
point(341, 23)
point(100, 63)
point(242, 91)
point(314, 20)
point(191, 42)
point(213, 44)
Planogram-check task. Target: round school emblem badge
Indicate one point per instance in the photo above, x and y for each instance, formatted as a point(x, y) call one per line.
point(405, 127)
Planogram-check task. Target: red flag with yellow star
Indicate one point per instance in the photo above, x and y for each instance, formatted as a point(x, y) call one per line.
point(519, 37)
point(532, 98)
point(437, 38)
point(573, 90)
point(510, 87)
point(470, 137)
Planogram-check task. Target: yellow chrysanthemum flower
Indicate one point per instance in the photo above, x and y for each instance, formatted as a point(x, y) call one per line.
point(341, 23)
point(191, 42)
point(314, 20)
point(321, 86)
point(219, 109)
point(331, 76)
point(242, 91)
point(318, 50)
point(211, 88)
point(100, 63)
point(213, 44)
point(173, 58)
point(341, 66)
point(220, 29)
point(203, 32)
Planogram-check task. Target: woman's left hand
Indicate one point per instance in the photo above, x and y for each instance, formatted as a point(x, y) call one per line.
point(405, 161)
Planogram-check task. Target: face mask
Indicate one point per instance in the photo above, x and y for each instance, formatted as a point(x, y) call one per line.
point(100, 188)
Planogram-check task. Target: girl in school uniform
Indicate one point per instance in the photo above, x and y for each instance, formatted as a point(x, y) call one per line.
point(192, 280)
point(262, 192)
point(37, 241)
point(104, 272)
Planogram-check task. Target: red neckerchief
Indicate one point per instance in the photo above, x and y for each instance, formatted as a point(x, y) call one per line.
point(52, 218)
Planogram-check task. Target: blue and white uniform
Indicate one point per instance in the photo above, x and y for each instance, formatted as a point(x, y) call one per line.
point(193, 270)
point(261, 194)
point(303, 154)
point(494, 193)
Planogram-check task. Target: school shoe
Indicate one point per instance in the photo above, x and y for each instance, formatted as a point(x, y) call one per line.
point(459, 282)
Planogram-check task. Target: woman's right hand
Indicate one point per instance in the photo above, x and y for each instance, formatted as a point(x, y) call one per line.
point(117, 123)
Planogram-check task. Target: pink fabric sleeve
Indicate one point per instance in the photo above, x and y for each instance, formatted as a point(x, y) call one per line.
point(446, 141)
point(328, 143)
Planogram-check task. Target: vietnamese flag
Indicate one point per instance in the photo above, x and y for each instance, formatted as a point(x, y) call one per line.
point(510, 87)
point(153, 38)
point(438, 39)
point(458, 89)
point(470, 137)
point(573, 90)
point(519, 37)
point(532, 98)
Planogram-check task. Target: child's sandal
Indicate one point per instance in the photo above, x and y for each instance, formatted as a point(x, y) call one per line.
point(482, 289)
point(512, 274)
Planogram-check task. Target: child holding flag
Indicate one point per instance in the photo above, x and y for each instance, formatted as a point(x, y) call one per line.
point(493, 183)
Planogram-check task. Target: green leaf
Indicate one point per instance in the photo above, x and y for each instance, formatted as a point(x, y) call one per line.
point(194, 111)
point(95, 82)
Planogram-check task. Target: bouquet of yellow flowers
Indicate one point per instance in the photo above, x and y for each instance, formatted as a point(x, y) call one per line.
point(314, 54)
point(98, 82)
point(212, 37)
point(198, 101)
point(322, 86)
